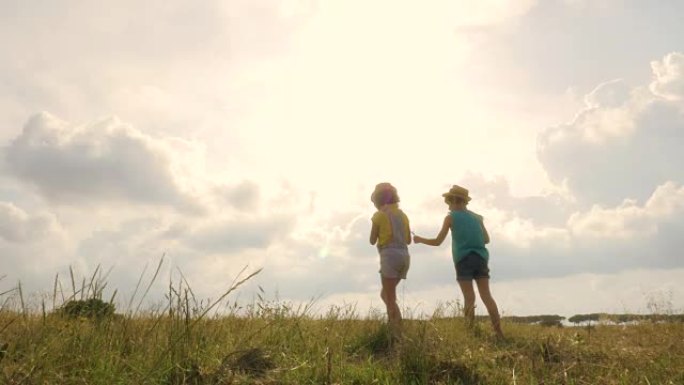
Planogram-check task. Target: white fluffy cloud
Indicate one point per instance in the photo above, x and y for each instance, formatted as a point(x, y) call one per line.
point(226, 237)
point(18, 226)
point(551, 208)
point(669, 77)
point(620, 197)
point(33, 245)
point(101, 161)
point(629, 221)
point(622, 194)
point(623, 144)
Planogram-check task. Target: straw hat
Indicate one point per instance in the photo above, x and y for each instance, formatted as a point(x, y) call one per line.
point(458, 192)
point(381, 188)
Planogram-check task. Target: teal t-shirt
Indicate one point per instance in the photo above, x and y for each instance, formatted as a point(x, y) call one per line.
point(467, 235)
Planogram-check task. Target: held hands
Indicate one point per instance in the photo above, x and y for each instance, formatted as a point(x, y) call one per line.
point(417, 239)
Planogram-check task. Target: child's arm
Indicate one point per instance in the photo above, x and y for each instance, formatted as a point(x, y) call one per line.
point(440, 237)
point(375, 230)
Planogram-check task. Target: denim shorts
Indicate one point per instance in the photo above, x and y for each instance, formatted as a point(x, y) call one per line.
point(472, 266)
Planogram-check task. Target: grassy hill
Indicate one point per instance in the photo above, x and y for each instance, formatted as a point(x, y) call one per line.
point(84, 341)
point(279, 345)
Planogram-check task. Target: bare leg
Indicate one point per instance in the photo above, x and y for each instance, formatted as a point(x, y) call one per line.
point(389, 297)
point(469, 301)
point(492, 309)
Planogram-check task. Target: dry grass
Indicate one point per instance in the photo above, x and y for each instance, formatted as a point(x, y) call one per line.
point(277, 343)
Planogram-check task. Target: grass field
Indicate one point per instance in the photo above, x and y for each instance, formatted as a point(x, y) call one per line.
point(186, 342)
point(286, 348)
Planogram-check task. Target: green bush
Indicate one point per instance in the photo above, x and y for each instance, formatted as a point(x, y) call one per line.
point(93, 308)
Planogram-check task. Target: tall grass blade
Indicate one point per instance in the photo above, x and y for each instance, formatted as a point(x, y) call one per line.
point(92, 286)
point(135, 290)
point(61, 290)
point(111, 300)
point(8, 291)
point(73, 282)
point(154, 278)
point(21, 299)
point(54, 291)
point(83, 288)
point(187, 284)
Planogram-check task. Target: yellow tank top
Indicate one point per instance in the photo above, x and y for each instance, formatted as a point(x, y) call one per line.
point(382, 220)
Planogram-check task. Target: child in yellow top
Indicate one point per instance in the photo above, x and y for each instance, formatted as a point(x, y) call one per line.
point(391, 232)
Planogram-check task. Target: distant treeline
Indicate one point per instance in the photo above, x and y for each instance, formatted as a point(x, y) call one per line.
point(546, 320)
point(556, 320)
point(624, 318)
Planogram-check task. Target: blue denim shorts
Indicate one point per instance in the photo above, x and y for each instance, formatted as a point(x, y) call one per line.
point(472, 266)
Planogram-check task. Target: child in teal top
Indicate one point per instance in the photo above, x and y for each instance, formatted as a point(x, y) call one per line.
point(468, 239)
point(470, 236)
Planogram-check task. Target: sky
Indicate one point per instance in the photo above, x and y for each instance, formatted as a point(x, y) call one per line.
point(224, 137)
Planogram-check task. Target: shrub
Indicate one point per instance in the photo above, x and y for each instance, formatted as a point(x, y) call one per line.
point(93, 308)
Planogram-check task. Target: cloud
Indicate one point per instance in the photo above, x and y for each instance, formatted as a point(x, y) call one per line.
point(17, 226)
point(611, 94)
point(244, 196)
point(629, 221)
point(33, 245)
point(169, 67)
point(489, 12)
point(225, 237)
point(209, 252)
point(550, 208)
point(126, 29)
point(622, 194)
point(96, 162)
point(325, 254)
point(669, 77)
point(623, 144)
